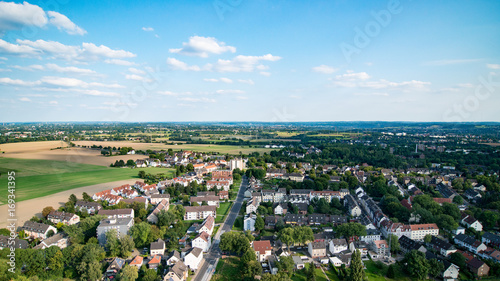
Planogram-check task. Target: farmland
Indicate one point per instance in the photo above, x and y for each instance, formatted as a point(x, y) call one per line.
point(37, 178)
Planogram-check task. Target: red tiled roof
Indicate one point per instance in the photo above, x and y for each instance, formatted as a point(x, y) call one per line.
point(262, 246)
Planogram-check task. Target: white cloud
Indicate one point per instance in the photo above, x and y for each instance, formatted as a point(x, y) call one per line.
point(98, 93)
point(148, 29)
point(242, 63)
point(21, 50)
point(25, 99)
point(353, 76)
point(324, 69)
point(63, 23)
point(203, 47)
point(222, 92)
point(63, 81)
point(16, 82)
point(202, 99)
point(70, 69)
point(53, 102)
point(450, 62)
point(179, 65)
point(3, 58)
point(241, 98)
point(360, 80)
point(493, 66)
point(249, 81)
point(5, 70)
point(137, 78)
point(119, 62)
point(136, 71)
point(264, 73)
point(88, 51)
point(28, 68)
point(16, 16)
point(211, 80)
point(226, 80)
point(169, 93)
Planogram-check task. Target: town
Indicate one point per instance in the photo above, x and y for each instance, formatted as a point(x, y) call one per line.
point(286, 214)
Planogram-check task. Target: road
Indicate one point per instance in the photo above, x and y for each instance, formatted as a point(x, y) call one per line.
point(211, 258)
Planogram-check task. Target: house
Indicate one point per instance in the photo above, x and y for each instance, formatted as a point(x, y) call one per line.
point(275, 173)
point(338, 245)
point(450, 272)
point(113, 269)
point(193, 258)
point(280, 209)
point(38, 230)
point(295, 219)
point(249, 222)
point(59, 240)
point(294, 177)
point(419, 231)
point(470, 221)
point(7, 242)
point(207, 225)
point(470, 243)
point(335, 261)
point(407, 245)
point(157, 198)
point(221, 185)
point(361, 246)
point(140, 200)
point(163, 205)
point(298, 262)
point(301, 207)
point(154, 262)
point(262, 249)
point(173, 258)
point(137, 262)
point(122, 226)
point(317, 249)
point(89, 207)
point(157, 248)
point(117, 213)
point(472, 194)
point(352, 205)
point(380, 247)
point(63, 217)
point(318, 219)
point(178, 272)
point(202, 241)
point(338, 220)
point(491, 239)
point(210, 200)
point(442, 246)
point(478, 267)
point(371, 235)
point(252, 206)
point(199, 212)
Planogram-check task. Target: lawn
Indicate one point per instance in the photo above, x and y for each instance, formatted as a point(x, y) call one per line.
point(37, 178)
point(222, 211)
point(376, 274)
point(227, 270)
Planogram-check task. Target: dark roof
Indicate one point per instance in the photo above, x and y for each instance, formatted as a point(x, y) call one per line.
point(60, 215)
point(409, 244)
point(19, 243)
point(157, 245)
point(475, 263)
point(495, 239)
point(87, 204)
point(35, 227)
point(195, 251)
point(116, 212)
point(441, 244)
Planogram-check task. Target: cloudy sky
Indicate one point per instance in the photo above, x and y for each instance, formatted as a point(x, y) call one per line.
point(235, 60)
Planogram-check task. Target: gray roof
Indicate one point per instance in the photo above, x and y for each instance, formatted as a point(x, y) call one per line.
point(19, 243)
point(119, 221)
point(158, 245)
point(35, 227)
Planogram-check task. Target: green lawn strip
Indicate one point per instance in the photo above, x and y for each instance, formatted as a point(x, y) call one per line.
point(33, 167)
point(224, 208)
point(332, 275)
point(227, 270)
point(29, 187)
point(299, 275)
point(320, 276)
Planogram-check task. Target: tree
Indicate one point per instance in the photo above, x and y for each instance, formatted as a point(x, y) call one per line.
point(446, 222)
point(286, 236)
point(259, 223)
point(150, 275)
point(190, 167)
point(130, 163)
point(165, 218)
point(129, 273)
point(86, 197)
point(311, 272)
point(142, 174)
point(247, 257)
point(391, 271)
point(72, 199)
point(47, 210)
point(286, 264)
point(127, 245)
point(458, 259)
point(112, 242)
point(435, 267)
point(90, 271)
point(428, 238)
point(252, 269)
point(351, 229)
point(356, 271)
point(416, 264)
point(394, 244)
point(140, 233)
point(459, 200)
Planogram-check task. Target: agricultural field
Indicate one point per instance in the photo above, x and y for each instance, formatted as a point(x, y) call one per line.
point(224, 149)
point(37, 178)
point(338, 135)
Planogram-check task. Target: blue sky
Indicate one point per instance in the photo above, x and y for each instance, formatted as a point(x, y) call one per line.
point(236, 60)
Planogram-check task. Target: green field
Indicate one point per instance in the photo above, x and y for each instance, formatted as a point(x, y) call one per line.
point(227, 270)
point(222, 211)
point(37, 178)
point(229, 149)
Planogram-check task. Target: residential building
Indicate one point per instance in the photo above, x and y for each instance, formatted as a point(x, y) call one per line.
point(117, 213)
point(352, 205)
point(380, 247)
point(157, 248)
point(470, 221)
point(371, 235)
point(450, 272)
point(419, 231)
point(442, 246)
point(137, 262)
point(38, 230)
point(207, 225)
point(59, 240)
point(202, 241)
point(317, 249)
point(157, 198)
point(249, 222)
point(407, 245)
point(199, 212)
point(122, 226)
point(113, 269)
point(174, 257)
point(193, 258)
point(178, 272)
point(7, 242)
point(162, 206)
point(63, 217)
point(89, 207)
point(470, 243)
point(491, 239)
point(338, 245)
point(478, 267)
point(262, 249)
point(154, 262)
point(210, 200)
point(252, 206)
